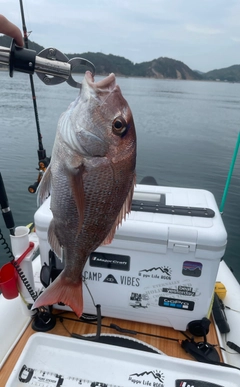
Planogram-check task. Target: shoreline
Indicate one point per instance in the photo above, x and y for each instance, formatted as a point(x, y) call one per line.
point(156, 78)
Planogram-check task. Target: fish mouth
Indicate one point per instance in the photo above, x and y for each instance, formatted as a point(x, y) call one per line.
point(108, 83)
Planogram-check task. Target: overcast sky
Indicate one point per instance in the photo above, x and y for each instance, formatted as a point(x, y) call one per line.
point(204, 34)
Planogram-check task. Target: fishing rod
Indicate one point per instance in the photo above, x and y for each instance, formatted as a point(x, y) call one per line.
point(43, 160)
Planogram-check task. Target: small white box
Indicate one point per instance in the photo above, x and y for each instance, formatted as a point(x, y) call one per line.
point(162, 264)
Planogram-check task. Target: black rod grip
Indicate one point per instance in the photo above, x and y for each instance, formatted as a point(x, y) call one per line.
point(8, 219)
point(3, 195)
point(6, 211)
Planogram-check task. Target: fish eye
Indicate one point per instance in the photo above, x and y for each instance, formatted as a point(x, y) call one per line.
point(119, 125)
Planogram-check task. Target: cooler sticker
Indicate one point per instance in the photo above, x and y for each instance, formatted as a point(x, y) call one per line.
point(176, 303)
point(182, 290)
point(192, 269)
point(176, 289)
point(109, 261)
point(163, 272)
point(110, 279)
point(34, 377)
point(155, 291)
point(148, 378)
point(139, 300)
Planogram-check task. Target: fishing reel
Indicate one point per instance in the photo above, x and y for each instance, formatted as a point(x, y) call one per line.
point(42, 164)
point(51, 65)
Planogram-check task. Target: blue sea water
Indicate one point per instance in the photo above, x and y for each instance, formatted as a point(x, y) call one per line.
point(186, 133)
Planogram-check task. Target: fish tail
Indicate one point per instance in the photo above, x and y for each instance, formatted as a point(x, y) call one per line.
point(62, 290)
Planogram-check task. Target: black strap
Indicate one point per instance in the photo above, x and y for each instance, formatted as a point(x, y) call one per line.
point(157, 207)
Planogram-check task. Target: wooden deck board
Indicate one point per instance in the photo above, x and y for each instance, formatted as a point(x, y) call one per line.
point(156, 336)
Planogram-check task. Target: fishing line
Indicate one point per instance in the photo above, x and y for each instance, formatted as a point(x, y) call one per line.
point(89, 292)
point(61, 319)
point(234, 310)
point(117, 328)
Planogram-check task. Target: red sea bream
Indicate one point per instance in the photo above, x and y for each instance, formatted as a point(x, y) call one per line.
point(91, 179)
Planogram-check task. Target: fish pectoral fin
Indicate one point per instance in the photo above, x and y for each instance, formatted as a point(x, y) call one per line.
point(76, 182)
point(44, 187)
point(126, 208)
point(62, 290)
point(53, 241)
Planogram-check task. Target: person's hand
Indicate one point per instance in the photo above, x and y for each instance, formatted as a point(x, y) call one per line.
point(8, 28)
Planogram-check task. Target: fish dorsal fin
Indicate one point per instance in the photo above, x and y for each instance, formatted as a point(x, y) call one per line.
point(126, 208)
point(53, 241)
point(44, 187)
point(76, 182)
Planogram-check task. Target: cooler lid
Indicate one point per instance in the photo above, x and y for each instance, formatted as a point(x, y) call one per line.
point(202, 225)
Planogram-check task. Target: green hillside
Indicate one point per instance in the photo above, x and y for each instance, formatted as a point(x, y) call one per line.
point(106, 64)
point(229, 74)
point(165, 68)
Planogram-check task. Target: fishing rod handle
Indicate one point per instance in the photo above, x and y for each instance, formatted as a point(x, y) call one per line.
point(4, 206)
point(3, 194)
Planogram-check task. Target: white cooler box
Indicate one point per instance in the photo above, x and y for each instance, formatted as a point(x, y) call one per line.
point(162, 264)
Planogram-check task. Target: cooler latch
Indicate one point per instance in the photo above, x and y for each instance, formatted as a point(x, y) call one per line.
point(182, 240)
point(181, 248)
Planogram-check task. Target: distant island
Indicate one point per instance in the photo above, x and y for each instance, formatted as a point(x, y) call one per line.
point(160, 68)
